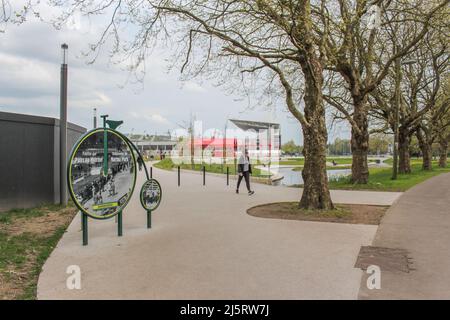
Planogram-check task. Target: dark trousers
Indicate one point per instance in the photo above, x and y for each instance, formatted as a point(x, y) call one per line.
point(245, 175)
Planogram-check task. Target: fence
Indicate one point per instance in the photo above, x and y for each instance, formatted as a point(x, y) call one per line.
point(29, 159)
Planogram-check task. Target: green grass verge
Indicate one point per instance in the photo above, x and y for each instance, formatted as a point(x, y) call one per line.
point(380, 179)
point(292, 162)
point(412, 161)
point(328, 168)
point(24, 250)
point(13, 214)
point(301, 161)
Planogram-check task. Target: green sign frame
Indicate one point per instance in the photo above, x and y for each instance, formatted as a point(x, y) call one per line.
point(143, 188)
point(112, 204)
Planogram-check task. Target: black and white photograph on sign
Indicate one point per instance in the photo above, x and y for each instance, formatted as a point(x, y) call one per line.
point(102, 185)
point(151, 194)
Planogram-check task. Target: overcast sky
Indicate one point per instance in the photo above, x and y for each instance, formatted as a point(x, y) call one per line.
point(29, 83)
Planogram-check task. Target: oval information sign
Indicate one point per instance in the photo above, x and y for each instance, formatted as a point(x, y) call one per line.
point(151, 194)
point(101, 173)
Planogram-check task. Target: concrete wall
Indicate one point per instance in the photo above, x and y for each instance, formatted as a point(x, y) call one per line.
point(29, 159)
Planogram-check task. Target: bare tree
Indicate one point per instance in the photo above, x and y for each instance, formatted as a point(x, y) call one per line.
point(420, 88)
point(358, 53)
point(432, 127)
point(257, 42)
point(16, 12)
point(288, 50)
point(442, 124)
point(443, 140)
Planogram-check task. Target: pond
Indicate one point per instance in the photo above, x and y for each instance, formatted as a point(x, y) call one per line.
point(292, 177)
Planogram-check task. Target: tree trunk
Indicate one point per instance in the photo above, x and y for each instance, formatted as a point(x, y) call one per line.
point(360, 145)
point(425, 147)
point(404, 139)
point(316, 194)
point(443, 150)
point(427, 157)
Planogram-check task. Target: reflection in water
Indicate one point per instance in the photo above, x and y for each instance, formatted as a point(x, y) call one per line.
point(292, 177)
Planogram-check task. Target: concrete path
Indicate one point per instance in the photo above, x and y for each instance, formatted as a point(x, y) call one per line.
point(203, 245)
point(420, 223)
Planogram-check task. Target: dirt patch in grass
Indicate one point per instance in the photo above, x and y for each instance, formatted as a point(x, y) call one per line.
point(44, 224)
point(343, 213)
point(9, 287)
point(27, 237)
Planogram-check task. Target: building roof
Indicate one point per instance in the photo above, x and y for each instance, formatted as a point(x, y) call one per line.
point(155, 143)
point(255, 125)
point(26, 118)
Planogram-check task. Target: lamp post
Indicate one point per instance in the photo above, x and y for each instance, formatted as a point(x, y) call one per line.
point(105, 146)
point(143, 141)
point(63, 127)
point(95, 118)
point(398, 79)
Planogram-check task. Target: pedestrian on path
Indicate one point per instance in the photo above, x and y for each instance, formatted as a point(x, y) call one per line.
point(244, 170)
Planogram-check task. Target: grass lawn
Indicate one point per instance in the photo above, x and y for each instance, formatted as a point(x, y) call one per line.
point(380, 178)
point(293, 162)
point(167, 164)
point(413, 161)
point(27, 237)
point(301, 161)
point(341, 167)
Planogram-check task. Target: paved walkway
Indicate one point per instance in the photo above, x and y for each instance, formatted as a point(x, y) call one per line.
point(203, 245)
point(420, 223)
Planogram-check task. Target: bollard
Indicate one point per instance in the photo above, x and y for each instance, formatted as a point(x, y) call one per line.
point(178, 175)
point(204, 171)
point(228, 176)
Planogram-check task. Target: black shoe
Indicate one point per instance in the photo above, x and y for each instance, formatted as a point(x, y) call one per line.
point(251, 192)
point(237, 190)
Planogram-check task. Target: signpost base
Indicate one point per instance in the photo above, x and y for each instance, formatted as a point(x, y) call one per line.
point(84, 226)
point(119, 223)
point(149, 219)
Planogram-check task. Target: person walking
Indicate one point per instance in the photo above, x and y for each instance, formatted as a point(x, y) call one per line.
point(244, 170)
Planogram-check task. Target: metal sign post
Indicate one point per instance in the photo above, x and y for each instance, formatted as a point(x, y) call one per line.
point(84, 226)
point(63, 125)
point(149, 219)
point(119, 224)
point(101, 175)
point(151, 195)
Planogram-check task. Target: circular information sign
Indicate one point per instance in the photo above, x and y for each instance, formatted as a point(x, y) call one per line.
point(101, 173)
point(151, 194)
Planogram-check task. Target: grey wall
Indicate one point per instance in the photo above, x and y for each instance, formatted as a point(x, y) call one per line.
point(29, 159)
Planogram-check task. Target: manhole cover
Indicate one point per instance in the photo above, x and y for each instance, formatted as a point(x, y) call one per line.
point(388, 259)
